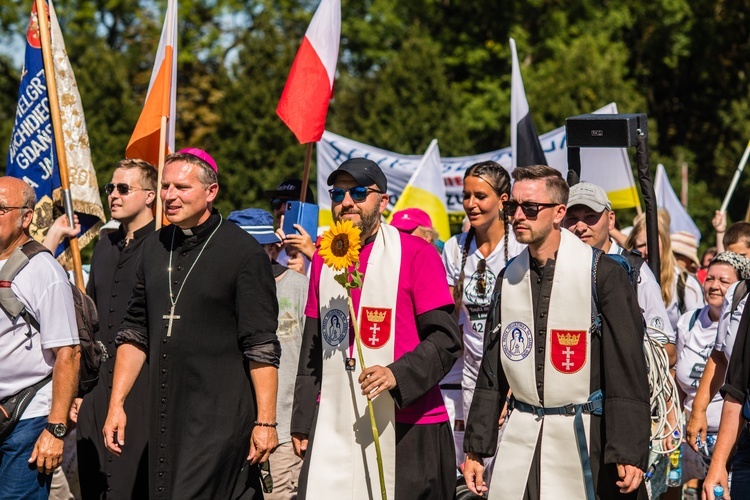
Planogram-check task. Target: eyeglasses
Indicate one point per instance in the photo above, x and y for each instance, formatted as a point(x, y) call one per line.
point(529, 208)
point(5, 210)
point(122, 188)
point(358, 193)
point(276, 204)
point(482, 278)
point(265, 477)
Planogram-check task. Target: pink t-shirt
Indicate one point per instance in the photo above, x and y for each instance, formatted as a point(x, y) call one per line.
point(422, 287)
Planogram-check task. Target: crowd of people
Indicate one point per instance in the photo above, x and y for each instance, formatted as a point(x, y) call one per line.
point(507, 362)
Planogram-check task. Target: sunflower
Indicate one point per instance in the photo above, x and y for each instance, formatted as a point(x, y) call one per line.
point(339, 247)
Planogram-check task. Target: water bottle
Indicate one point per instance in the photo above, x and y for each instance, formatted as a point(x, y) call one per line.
point(674, 470)
point(718, 493)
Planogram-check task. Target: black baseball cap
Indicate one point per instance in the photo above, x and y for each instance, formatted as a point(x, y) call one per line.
point(290, 189)
point(364, 171)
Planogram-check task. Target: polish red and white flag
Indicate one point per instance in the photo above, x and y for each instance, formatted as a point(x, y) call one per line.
point(304, 102)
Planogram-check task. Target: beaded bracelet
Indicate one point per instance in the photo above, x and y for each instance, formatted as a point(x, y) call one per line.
point(265, 424)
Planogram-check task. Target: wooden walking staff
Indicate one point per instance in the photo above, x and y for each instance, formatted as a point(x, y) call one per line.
point(62, 161)
point(735, 179)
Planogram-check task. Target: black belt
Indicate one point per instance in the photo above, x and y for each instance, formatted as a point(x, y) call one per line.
point(574, 410)
point(569, 409)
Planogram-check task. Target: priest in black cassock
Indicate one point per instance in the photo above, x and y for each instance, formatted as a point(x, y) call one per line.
point(130, 195)
point(203, 311)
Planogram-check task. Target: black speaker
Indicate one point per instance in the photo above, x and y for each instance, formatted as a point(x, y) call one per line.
point(605, 131)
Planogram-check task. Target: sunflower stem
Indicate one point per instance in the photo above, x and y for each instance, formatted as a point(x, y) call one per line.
point(370, 409)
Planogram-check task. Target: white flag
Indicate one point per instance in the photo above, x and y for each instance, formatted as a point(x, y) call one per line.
point(667, 199)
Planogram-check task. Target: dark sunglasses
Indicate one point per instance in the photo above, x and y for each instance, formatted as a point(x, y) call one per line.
point(529, 208)
point(482, 278)
point(265, 477)
point(358, 193)
point(121, 187)
point(276, 204)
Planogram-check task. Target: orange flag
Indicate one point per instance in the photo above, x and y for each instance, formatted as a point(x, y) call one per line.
point(161, 97)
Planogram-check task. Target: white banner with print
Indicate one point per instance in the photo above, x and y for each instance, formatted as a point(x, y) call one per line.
point(606, 167)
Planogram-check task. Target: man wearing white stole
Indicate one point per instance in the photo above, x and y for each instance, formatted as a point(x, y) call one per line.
point(410, 341)
point(580, 423)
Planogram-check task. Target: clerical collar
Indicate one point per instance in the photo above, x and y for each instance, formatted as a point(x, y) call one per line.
point(205, 228)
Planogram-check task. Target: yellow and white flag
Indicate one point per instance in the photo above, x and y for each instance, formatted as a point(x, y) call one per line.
point(426, 190)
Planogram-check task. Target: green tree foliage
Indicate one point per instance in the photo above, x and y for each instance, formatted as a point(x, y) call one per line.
point(412, 71)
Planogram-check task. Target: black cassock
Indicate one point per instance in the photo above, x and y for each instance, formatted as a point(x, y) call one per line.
point(202, 405)
point(101, 474)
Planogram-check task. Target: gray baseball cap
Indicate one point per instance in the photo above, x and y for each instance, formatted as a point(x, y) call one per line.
point(590, 195)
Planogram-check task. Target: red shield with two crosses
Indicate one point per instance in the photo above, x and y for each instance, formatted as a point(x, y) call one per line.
point(376, 326)
point(568, 350)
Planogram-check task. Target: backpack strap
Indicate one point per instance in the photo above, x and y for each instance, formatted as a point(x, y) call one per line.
point(9, 301)
point(635, 261)
point(739, 293)
point(693, 319)
point(596, 316)
point(681, 283)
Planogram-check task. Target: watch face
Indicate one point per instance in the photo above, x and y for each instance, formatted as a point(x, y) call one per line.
point(57, 430)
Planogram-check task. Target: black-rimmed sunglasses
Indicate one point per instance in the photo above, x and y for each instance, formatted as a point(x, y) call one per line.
point(482, 278)
point(265, 477)
point(277, 203)
point(121, 187)
point(529, 208)
point(358, 193)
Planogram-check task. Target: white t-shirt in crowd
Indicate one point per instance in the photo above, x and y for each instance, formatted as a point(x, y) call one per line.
point(693, 297)
point(475, 306)
point(43, 287)
point(693, 349)
point(729, 321)
point(658, 327)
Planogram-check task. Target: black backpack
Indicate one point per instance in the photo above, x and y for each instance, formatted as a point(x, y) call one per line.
point(92, 351)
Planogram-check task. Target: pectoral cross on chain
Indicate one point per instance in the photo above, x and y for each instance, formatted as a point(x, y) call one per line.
point(171, 317)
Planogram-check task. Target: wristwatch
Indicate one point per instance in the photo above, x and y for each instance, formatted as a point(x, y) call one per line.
point(57, 430)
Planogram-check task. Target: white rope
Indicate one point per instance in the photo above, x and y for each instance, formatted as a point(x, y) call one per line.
point(665, 399)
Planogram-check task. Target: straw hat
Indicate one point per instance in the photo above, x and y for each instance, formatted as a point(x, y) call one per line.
point(685, 244)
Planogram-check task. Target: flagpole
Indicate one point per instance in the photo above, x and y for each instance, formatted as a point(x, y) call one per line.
point(160, 170)
point(735, 179)
point(167, 89)
point(306, 173)
point(49, 71)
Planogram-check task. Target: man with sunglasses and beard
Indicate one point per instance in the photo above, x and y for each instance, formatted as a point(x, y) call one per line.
point(580, 420)
point(130, 195)
point(410, 341)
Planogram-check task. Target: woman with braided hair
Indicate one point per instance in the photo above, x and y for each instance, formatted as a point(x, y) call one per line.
point(473, 260)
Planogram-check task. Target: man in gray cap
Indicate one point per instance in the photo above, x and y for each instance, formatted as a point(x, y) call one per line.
point(409, 342)
point(590, 217)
